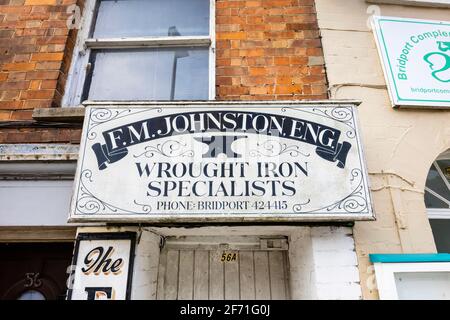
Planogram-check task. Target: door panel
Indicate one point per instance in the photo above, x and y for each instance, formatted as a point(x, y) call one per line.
point(193, 268)
point(201, 273)
point(186, 275)
point(216, 272)
point(247, 275)
point(232, 285)
point(277, 276)
point(171, 275)
point(262, 286)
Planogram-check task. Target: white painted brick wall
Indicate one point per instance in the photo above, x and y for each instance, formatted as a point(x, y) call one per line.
point(335, 273)
point(146, 261)
point(349, 291)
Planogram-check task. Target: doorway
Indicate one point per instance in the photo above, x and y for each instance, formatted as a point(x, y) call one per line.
point(230, 268)
point(34, 271)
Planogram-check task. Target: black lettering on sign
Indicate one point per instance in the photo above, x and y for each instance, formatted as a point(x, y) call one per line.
point(99, 261)
point(118, 139)
point(99, 293)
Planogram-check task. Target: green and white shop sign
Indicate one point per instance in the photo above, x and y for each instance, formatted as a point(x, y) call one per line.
point(416, 60)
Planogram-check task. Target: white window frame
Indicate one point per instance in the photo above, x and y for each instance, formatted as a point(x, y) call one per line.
point(418, 3)
point(440, 213)
point(84, 46)
point(385, 275)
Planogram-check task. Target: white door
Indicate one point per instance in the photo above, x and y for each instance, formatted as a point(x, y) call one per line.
point(223, 268)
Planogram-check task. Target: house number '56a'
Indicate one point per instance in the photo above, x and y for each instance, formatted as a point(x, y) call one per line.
point(228, 257)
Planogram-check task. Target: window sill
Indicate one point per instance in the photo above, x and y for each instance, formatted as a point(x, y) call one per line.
point(72, 114)
point(417, 3)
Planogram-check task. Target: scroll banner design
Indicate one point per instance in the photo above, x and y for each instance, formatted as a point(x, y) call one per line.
point(120, 138)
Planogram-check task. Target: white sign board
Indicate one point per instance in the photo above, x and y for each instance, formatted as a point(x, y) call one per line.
point(103, 265)
point(415, 56)
point(221, 162)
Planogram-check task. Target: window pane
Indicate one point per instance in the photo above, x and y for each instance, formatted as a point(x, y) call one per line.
point(134, 18)
point(444, 165)
point(31, 295)
point(423, 285)
point(436, 183)
point(441, 234)
point(433, 202)
point(150, 74)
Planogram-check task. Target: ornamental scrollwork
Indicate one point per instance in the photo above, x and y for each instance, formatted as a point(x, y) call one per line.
point(355, 202)
point(169, 148)
point(100, 116)
point(89, 204)
point(273, 148)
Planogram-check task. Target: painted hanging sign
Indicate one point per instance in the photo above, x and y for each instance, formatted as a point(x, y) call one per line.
point(221, 162)
point(415, 56)
point(102, 267)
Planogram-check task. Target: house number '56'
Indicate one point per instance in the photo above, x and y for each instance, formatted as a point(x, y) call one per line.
point(228, 257)
point(32, 280)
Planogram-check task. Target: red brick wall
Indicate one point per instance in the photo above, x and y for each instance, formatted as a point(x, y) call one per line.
point(268, 50)
point(40, 135)
point(35, 50)
point(33, 39)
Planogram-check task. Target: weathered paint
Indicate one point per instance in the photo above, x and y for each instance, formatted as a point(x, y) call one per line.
point(38, 152)
point(315, 255)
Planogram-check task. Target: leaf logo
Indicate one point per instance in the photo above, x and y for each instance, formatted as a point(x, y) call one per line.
point(439, 62)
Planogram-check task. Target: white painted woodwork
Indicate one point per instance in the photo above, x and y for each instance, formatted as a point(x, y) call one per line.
point(201, 275)
point(191, 269)
point(247, 275)
point(413, 281)
point(84, 46)
point(34, 202)
point(261, 275)
point(216, 272)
